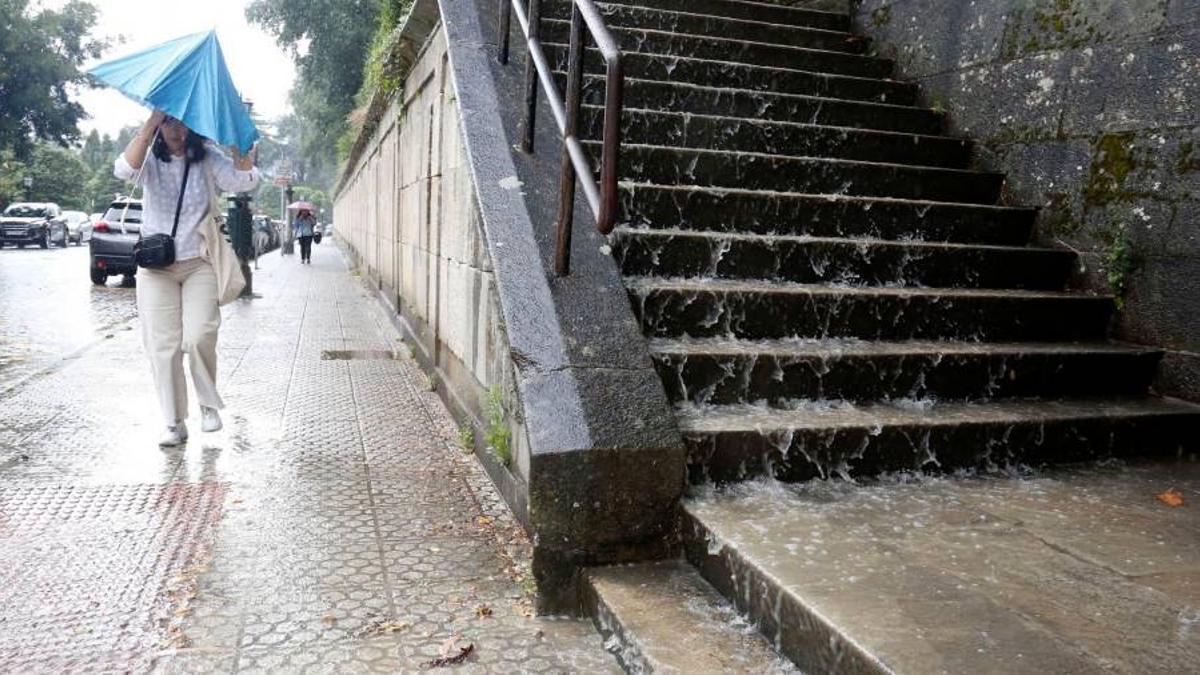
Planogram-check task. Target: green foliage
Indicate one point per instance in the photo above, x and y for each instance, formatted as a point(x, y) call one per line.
point(12, 178)
point(1120, 263)
point(881, 17)
point(466, 438)
point(498, 436)
point(98, 153)
point(379, 72)
point(59, 176)
point(432, 382)
point(41, 51)
point(329, 73)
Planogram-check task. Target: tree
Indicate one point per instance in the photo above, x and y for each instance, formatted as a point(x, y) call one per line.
point(59, 176)
point(12, 178)
point(40, 56)
point(338, 34)
point(98, 153)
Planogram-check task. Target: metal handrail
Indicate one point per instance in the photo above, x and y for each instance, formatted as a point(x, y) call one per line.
point(574, 165)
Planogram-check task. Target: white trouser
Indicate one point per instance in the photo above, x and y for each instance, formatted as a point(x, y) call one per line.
point(179, 314)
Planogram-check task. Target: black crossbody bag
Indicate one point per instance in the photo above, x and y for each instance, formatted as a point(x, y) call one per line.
point(158, 250)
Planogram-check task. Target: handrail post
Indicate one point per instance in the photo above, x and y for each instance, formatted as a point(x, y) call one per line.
point(503, 28)
point(531, 76)
point(613, 101)
point(567, 177)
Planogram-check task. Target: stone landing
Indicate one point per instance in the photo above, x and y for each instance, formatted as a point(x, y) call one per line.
point(1067, 571)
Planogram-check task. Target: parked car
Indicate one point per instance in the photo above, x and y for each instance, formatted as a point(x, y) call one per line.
point(79, 226)
point(93, 218)
point(113, 237)
point(26, 223)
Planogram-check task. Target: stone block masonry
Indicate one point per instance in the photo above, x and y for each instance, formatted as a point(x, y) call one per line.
point(1089, 107)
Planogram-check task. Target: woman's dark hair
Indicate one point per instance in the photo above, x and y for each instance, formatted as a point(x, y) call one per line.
point(193, 148)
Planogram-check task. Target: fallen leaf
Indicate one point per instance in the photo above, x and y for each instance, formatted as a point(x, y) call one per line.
point(383, 628)
point(485, 520)
point(458, 658)
point(483, 611)
point(1171, 498)
point(329, 619)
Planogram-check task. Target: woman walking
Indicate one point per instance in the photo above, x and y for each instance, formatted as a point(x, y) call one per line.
point(305, 227)
point(177, 304)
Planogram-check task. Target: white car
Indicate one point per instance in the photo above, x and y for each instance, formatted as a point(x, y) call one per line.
point(79, 226)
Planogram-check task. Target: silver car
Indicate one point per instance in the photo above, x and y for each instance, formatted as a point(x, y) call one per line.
point(79, 226)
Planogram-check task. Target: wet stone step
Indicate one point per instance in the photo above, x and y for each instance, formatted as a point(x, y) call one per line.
point(812, 16)
point(736, 51)
point(717, 73)
point(822, 439)
point(779, 138)
point(664, 617)
point(1072, 570)
point(811, 175)
point(855, 262)
point(647, 23)
point(779, 372)
point(767, 106)
point(763, 310)
point(723, 210)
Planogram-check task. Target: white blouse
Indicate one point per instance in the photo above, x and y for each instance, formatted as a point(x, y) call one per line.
point(160, 183)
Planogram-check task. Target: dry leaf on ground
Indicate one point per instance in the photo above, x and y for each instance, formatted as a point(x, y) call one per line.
point(1171, 498)
point(452, 660)
point(483, 611)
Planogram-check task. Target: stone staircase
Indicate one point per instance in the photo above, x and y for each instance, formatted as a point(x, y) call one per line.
point(829, 288)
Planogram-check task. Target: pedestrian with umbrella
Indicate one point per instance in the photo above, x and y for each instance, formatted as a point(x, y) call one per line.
point(186, 267)
point(305, 227)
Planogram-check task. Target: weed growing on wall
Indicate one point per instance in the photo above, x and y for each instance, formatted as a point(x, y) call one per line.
point(498, 436)
point(1119, 262)
point(466, 438)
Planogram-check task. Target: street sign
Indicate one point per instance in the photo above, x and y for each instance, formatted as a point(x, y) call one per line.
point(283, 180)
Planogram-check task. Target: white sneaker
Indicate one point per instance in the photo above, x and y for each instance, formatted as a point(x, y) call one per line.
point(210, 419)
point(174, 435)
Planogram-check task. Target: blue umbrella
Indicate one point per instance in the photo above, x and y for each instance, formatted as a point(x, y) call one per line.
point(187, 79)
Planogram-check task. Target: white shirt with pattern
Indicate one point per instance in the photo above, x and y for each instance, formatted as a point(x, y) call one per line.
point(160, 182)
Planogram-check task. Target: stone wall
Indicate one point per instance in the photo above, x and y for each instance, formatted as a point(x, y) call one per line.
point(454, 227)
point(1090, 107)
point(408, 214)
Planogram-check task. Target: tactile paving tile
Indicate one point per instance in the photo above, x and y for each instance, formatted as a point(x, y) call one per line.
point(87, 573)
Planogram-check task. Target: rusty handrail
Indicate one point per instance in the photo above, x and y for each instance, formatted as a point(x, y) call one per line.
point(574, 165)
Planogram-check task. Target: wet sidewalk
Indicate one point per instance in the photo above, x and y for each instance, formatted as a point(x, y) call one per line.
point(333, 526)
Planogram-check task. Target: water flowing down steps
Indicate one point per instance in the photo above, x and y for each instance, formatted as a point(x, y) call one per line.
point(831, 289)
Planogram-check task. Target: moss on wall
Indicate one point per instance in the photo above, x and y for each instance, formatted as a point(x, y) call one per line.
point(1113, 159)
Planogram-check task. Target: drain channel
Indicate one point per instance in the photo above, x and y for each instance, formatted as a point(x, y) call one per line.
point(357, 355)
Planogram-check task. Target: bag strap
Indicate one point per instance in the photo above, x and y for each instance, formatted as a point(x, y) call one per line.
point(187, 168)
point(137, 182)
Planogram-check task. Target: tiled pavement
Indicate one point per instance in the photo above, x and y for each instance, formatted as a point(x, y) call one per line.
point(334, 526)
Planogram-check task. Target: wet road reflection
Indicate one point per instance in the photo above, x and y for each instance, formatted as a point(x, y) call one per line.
point(49, 308)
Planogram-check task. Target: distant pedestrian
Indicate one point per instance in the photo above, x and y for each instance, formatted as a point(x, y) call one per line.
point(177, 303)
point(305, 226)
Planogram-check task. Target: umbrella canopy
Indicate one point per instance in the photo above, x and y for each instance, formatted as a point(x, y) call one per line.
point(302, 206)
point(186, 78)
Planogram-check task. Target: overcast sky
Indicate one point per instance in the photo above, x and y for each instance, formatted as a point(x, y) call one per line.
point(261, 70)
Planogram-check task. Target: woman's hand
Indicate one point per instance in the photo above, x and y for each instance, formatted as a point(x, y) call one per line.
point(135, 152)
point(244, 163)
